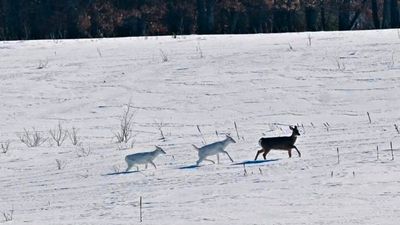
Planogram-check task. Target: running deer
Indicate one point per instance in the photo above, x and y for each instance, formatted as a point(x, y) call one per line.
point(279, 143)
point(143, 158)
point(214, 149)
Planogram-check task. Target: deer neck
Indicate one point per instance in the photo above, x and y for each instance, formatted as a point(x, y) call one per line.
point(293, 137)
point(155, 153)
point(226, 142)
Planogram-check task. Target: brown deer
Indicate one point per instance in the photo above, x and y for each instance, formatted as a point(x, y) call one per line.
point(279, 143)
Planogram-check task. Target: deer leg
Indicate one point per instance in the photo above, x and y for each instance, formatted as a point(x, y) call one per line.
point(145, 166)
point(228, 155)
point(290, 153)
point(153, 164)
point(129, 167)
point(298, 152)
point(265, 154)
point(137, 168)
point(209, 160)
point(199, 161)
point(258, 152)
point(218, 158)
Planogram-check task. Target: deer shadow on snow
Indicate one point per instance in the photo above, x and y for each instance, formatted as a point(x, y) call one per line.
point(251, 162)
point(247, 162)
point(189, 167)
point(120, 173)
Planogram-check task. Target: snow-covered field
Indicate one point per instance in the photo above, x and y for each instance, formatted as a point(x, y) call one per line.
point(325, 82)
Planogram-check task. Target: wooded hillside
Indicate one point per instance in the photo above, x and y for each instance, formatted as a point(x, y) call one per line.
point(43, 19)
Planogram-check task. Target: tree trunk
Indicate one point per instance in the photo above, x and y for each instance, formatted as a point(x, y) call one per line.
point(344, 15)
point(201, 16)
point(210, 16)
point(72, 17)
point(290, 20)
point(394, 14)
point(386, 14)
point(356, 15)
point(323, 19)
point(374, 7)
point(12, 20)
point(234, 18)
point(311, 18)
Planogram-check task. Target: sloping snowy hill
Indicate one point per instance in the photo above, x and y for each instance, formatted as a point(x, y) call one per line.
point(325, 82)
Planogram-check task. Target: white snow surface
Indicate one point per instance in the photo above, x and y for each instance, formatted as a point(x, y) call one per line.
point(261, 82)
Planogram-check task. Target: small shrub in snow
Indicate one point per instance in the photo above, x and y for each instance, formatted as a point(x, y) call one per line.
point(8, 216)
point(200, 51)
point(140, 209)
point(369, 117)
point(125, 132)
point(327, 126)
point(391, 63)
point(32, 138)
point(99, 52)
point(201, 134)
point(290, 47)
point(58, 134)
point(5, 146)
point(42, 64)
point(338, 155)
point(236, 129)
point(116, 169)
point(82, 151)
point(60, 164)
point(164, 56)
point(160, 125)
point(73, 136)
point(391, 150)
point(86, 175)
point(340, 65)
point(309, 39)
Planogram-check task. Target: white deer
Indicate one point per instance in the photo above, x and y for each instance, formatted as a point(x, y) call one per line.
point(143, 158)
point(214, 149)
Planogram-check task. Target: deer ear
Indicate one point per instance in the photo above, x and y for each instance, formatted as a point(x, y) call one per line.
point(291, 127)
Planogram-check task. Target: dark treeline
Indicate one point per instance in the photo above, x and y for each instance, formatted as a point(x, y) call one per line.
point(44, 19)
